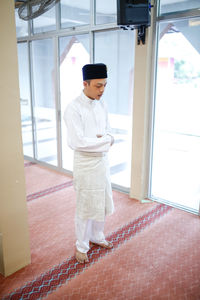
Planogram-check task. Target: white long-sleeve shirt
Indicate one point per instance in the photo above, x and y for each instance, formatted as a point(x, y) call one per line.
point(85, 119)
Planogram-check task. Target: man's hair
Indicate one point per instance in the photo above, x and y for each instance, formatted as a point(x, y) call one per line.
point(88, 81)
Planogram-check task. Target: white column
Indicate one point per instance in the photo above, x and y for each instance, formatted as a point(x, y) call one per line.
point(14, 235)
point(142, 108)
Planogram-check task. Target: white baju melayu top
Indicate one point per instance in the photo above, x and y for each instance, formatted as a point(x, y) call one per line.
point(85, 119)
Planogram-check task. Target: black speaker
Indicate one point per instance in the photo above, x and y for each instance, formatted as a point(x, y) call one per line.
point(134, 13)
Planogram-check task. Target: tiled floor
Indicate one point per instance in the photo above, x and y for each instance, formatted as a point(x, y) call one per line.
point(160, 260)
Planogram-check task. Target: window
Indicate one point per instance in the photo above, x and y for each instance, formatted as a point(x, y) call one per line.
point(75, 13)
point(169, 6)
point(21, 26)
point(45, 22)
point(72, 39)
point(25, 101)
point(106, 11)
point(176, 160)
point(44, 100)
point(116, 50)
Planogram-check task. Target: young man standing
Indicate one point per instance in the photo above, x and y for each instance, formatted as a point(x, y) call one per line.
point(88, 134)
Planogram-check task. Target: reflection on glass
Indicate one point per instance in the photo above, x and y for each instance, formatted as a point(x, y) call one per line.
point(21, 25)
point(26, 120)
point(116, 50)
point(44, 100)
point(106, 11)
point(169, 6)
point(176, 159)
point(74, 54)
point(45, 22)
point(74, 13)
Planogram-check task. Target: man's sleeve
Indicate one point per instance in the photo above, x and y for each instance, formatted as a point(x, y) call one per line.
point(75, 137)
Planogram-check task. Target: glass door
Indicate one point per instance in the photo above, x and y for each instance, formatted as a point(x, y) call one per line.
point(176, 143)
point(44, 92)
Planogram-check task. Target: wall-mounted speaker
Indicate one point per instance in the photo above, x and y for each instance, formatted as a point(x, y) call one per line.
point(134, 13)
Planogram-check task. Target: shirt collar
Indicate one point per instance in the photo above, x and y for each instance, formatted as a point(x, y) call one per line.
point(87, 99)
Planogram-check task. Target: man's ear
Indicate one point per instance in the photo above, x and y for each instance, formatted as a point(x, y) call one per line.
point(85, 84)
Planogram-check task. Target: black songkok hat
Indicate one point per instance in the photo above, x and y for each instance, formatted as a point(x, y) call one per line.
point(94, 71)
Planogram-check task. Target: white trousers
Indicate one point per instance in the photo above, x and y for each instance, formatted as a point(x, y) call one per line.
point(86, 231)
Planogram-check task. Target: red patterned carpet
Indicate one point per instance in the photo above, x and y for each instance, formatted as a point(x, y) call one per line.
point(161, 262)
point(156, 251)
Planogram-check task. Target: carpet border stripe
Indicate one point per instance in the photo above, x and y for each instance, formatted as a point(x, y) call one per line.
point(49, 190)
point(51, 280)
point(28, 164)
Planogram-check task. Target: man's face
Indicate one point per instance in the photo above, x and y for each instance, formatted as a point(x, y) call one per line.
point(95, 89)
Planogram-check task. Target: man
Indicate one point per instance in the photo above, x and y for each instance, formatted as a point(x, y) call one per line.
point(89, 136)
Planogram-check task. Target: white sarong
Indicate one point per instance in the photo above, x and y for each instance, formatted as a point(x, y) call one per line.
point(92, 184)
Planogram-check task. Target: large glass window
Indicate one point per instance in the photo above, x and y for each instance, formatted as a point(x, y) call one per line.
point(106, 11)
point(25, 101)
point(74, 13)
point(44, 100)
point(116, 50)
point(21, 25)
point(45, 22)
point(74, 54)
point(176, 148)
point(169, 6)
point(56, 60)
